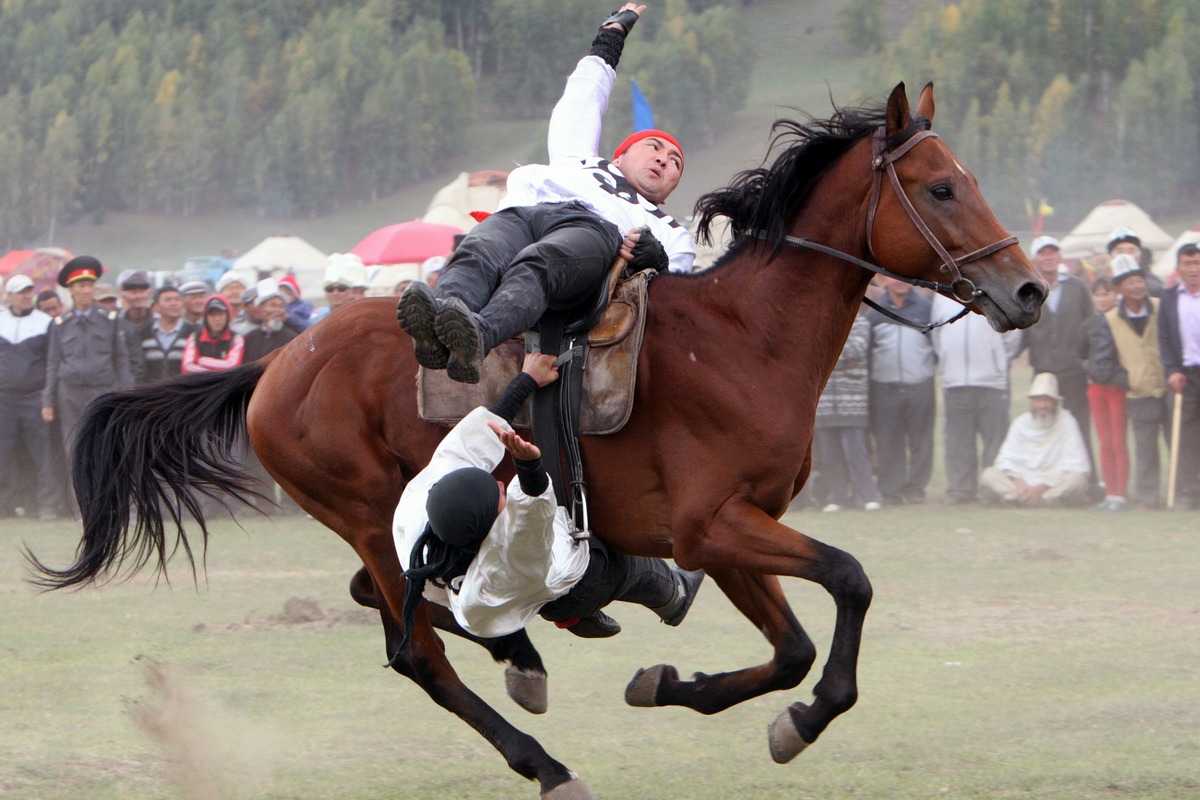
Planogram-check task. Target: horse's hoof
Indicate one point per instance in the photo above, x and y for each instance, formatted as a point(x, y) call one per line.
point(527, 688)
point(642, 691)
point(573, 789)
point(785, 741)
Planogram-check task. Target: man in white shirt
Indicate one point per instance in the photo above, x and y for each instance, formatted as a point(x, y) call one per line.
point(1043, 461)
point(1179, 349)
point(559, 228)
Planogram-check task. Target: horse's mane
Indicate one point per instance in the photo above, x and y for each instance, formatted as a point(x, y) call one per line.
point(763, 200)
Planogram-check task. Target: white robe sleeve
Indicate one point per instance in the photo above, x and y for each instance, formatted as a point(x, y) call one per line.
point(575, 122)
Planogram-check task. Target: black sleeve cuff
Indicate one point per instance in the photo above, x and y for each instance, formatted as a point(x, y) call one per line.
point(533, 478)
point(509, 403)
point(608, 44)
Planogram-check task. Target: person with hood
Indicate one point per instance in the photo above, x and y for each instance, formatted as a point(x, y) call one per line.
point(497, 556)
point(299, 311)
point(215, 347)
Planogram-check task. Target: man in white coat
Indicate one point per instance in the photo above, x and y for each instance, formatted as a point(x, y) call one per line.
point(559, 228)
point(497, 556)
point(1043, 461)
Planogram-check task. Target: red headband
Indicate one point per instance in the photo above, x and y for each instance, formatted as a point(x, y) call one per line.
point(646, 134)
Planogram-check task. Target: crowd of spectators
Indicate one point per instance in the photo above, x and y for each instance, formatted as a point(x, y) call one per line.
point(1118, 352)
point(60, 349)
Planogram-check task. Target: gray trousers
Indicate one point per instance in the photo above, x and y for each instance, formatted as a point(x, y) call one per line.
point(1149, 418)
point(976, 423)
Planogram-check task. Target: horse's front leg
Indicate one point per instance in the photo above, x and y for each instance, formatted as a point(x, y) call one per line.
point(425, 662)
point(741, 546)
point(525, 675)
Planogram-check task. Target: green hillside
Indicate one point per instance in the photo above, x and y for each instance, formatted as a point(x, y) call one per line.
point(800, 62)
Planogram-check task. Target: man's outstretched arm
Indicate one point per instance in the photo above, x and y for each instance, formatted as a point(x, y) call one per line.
point(575, 123)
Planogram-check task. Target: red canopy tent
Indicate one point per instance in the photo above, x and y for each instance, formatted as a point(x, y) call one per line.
point(13, 259)
point(43, 265)
point(406, 243)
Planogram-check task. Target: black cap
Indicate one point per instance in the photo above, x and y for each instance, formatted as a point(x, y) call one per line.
point(80, 268)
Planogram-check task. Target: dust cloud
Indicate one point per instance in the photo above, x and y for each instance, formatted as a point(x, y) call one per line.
point(210, 754)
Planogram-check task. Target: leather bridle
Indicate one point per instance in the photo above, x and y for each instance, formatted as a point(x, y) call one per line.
point(959, 288)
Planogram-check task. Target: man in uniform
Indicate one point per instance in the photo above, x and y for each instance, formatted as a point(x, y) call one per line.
point(87, 353)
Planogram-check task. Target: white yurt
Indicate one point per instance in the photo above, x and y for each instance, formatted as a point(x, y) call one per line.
point(277, 256)
point(1090, 237)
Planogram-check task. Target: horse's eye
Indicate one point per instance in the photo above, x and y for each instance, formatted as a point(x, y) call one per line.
point(942, 192)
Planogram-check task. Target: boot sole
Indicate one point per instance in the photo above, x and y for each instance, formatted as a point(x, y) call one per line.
point(459, 333)
point(416, 313)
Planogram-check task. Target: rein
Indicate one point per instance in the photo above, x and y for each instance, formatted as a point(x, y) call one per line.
point(960, 288)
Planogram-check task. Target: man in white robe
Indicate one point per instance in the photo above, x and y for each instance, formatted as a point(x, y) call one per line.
point(1043, 461)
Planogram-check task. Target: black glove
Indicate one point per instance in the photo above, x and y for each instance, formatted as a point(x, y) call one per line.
point(648, 253)
point(609, 42)
point(626, 19)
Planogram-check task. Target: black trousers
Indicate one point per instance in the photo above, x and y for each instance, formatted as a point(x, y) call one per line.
point(1188, 479)
point(902, 417)
point(518, 263)
point(614, 576)
point(21, 422)
point(975, 415)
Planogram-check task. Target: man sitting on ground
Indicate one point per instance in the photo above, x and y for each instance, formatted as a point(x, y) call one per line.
point(497, 557)
point(1043, 461)
point(558, 229)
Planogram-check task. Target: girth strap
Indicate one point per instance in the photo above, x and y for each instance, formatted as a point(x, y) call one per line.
point(556, 417)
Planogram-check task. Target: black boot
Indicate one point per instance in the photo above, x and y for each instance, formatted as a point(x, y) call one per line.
point(596, 625)
point(687, 583)
point(417, 311)
point(667, 591)
point(459, 331)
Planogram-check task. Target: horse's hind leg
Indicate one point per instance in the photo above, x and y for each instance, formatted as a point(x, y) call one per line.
point(425, 663)
point(760, 598)
point(525, 675)
point(742, 550)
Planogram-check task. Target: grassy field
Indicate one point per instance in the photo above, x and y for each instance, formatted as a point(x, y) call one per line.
point(1008, 654)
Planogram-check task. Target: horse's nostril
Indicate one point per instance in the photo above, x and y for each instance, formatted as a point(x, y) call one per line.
point(1031, 295)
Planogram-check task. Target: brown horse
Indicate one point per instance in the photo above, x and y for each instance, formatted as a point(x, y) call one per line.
point(718, 444)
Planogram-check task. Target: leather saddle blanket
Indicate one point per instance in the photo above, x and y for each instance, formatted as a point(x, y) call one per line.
point(609, 374)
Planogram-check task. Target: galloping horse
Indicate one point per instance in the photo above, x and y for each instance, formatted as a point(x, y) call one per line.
point(718, 443)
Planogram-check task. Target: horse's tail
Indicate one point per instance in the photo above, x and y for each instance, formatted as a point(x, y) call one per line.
point(149, 450)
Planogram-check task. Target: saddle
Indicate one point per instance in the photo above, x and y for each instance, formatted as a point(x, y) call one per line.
point(598, 348)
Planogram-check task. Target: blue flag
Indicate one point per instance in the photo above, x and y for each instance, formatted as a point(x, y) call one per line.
point(643, 114)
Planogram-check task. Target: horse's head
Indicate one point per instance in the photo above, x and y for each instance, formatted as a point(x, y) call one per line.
point(928, 220)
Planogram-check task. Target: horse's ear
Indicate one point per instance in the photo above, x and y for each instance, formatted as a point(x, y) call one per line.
point(925, 103)
point(897, 111)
